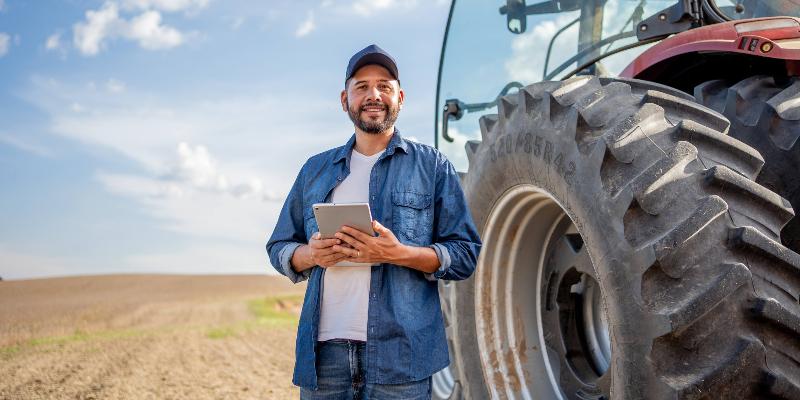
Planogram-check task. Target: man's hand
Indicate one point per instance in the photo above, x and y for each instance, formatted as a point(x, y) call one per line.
point(317, 252)
point(384, 248)
point(323, 252)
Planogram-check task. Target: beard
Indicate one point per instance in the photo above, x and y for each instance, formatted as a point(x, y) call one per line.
point(370, 126)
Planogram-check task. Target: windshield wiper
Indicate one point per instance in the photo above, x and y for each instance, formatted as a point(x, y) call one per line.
point(588, 50)
point(550, 46)
point(635, 17)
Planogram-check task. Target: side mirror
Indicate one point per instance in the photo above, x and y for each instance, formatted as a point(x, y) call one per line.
point(452, 109)
point(516, 17)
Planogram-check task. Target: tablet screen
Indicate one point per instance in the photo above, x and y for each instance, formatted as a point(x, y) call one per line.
point(332, 216)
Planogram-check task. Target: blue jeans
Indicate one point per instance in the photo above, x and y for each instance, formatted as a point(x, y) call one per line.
point(340, 376)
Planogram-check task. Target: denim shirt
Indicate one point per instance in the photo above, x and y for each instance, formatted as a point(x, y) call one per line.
point(415, 192)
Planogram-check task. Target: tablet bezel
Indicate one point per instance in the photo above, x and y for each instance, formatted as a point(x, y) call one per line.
point(332, 216)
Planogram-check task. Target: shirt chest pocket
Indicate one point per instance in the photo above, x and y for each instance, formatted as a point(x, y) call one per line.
point(412, 216)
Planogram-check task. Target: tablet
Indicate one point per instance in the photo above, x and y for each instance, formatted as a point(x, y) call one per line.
point(332, 216)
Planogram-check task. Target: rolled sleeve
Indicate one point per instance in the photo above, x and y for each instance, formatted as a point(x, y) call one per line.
point(456, 240)
point(289, 234)
point(444, 262)
point(285, 261)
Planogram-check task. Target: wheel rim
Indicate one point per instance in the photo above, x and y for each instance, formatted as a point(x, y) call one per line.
point(443, 384)
point(559, 330)
point(595, 325)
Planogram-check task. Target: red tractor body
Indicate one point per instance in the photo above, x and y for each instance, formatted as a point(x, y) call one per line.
point(775, 38)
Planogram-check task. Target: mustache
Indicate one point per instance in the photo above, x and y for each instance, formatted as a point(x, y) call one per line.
point(364, 107)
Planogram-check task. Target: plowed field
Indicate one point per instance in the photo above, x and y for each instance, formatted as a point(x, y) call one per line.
point(148, 337)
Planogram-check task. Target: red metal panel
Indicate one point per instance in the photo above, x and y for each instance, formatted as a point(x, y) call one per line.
point(774, 37)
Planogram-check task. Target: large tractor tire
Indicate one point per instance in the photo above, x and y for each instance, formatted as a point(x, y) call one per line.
point(628, 254)
point(765, 114)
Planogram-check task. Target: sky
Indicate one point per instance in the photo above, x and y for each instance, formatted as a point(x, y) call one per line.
point(161, 136)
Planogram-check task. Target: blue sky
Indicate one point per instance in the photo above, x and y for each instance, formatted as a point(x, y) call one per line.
point(161, 135)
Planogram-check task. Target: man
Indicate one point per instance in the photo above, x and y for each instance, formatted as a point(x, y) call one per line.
point(374, 332)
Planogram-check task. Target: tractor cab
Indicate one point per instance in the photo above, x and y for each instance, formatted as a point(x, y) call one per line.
point(631, 166)
point(492, 49)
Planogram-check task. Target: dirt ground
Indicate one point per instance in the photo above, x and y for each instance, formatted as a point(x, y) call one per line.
point(148, 337)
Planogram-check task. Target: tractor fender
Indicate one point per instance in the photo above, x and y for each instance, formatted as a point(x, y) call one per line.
point(773, 37)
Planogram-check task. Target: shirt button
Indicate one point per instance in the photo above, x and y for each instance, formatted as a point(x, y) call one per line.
point(373, 197)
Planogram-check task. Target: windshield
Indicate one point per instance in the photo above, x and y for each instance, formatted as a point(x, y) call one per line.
point(483, 53)
point(741, 9)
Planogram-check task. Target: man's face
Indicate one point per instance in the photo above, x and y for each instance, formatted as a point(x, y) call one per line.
point(372, 99)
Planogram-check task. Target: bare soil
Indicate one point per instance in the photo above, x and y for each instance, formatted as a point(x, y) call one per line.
point(148, 337)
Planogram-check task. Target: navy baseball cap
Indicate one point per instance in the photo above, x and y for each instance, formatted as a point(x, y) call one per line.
point(371, 54)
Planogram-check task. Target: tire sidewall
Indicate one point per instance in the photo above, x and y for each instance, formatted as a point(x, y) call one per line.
point(550, 159)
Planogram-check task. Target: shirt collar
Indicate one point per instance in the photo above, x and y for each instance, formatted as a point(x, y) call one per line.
point(395, 143)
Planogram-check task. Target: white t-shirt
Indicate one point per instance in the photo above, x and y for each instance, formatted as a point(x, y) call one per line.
point(345, 290)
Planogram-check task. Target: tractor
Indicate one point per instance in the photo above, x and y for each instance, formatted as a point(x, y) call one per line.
point(632, 167)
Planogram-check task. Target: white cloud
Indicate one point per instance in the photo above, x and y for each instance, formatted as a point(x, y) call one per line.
point(306, 26)
point(455, 149)
point(24, 145)
point(166, 5)
point(370, 7)
point(196, 212)
point(90, 37)
point(237, 23)
point(4, 43)
point(147, 128)
point(53, 42)
point(229, 177)
point(100, 24)
point(527, 61)
point(114, 86)
point(198, 167)
point(151, 34)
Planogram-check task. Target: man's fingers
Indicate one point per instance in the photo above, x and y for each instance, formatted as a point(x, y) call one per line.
point(347, 251)
point(327, 251)
point(355, 233)
point(324, 243)
point(382, 230)
point(330, 242)
point(332, 259)
point(350, 240)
